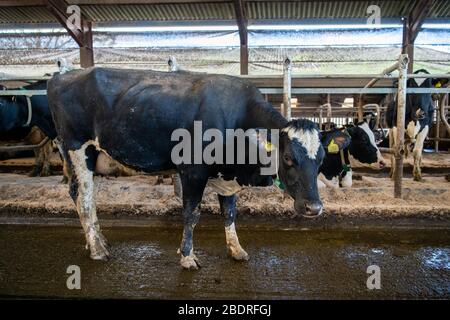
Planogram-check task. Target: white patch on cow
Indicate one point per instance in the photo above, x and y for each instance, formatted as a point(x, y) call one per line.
point(412, 129)
point(308, 138)
point(85, 201)
point(421, 136)
point(418, 148)
point(347, 180)
point(371, 136)
point(333, 183)
point(233, 244)
point(419, 81)
point(369, 133)
point(105, 164)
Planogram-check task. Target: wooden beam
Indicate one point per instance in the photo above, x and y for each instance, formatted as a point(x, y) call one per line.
point(407, 44)
point(241, 20)
point(412, 25)
point(417, 16)
point(82, 34)
point(87, 50)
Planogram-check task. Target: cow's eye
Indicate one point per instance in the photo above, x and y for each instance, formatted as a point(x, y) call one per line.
point(288, 160)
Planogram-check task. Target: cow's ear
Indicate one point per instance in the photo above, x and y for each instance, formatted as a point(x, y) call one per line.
point(439, 83)
point(338, 142)
point(263, 141)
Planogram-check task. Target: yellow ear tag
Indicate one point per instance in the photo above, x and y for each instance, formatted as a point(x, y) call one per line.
point(438, 85)
point(333, 147)
point(268, 146)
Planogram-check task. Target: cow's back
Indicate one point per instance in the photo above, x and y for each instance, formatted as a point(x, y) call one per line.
point(131, 114)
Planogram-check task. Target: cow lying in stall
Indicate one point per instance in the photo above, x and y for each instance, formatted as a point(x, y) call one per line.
point(33, 113)
point(418, 120)
point(343, 146)
point(131, 115)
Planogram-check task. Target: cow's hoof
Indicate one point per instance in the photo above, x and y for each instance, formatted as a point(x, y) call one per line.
point(190, 262)
point(104, 256)
point(103, 240)
point(418, 179)
point(34, 173)
point(99, 253)
point(99, 250)
point(238, 254)
point(45, 174)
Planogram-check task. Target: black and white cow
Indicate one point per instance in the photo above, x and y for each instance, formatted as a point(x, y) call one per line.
point(18, 111)
point(343, 146)
point(131, 115)
point(418, 120)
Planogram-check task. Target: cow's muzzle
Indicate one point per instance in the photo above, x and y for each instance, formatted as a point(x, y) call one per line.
point(309, 209)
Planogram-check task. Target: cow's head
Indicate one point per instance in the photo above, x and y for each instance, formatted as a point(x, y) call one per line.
point(419, 106)
point(362, 146)
point(300, 156)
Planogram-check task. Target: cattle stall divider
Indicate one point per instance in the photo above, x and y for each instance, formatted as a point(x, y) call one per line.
point(176, 179)
point(443, 105)
point(287, 87)
point(287, 90)
point(401, 111)
point(385, 72)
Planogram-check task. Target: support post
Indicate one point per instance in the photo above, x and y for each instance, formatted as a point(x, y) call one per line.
point(400, 139)
point(172, 62)
point(412, 24)
point(241, 20)
point(82, 33)
point(86, 50)
point(328, 112)
point(371, 83)
point(287, 88)
point(408, 44)
point(442, 103)
point(438, 127)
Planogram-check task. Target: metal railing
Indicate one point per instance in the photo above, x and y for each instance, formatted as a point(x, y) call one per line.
point(287, 90)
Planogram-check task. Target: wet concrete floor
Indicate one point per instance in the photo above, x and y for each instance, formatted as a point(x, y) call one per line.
point(284, 264)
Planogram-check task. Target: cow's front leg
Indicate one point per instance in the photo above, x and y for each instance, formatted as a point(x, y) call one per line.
point(417, 152)
point(82, 191)
point(193, 186)
point(228, 209)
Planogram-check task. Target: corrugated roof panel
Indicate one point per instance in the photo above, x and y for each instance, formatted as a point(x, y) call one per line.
point(440, 9)
point(160, 12)
point(323, 9)
point(266, 10)
point(26, 15)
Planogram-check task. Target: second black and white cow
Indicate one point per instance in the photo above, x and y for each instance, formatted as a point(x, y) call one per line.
point(343, 146)
point(418, 120)
point(20, 111)
point(132, 114)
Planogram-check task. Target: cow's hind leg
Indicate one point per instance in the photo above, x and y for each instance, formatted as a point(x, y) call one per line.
point(82, 191)
point(228, 209)
point(193, 186)
point(417, 152)
point(47, 150)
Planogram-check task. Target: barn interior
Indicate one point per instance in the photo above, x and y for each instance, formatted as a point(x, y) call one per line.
point(329, 61)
